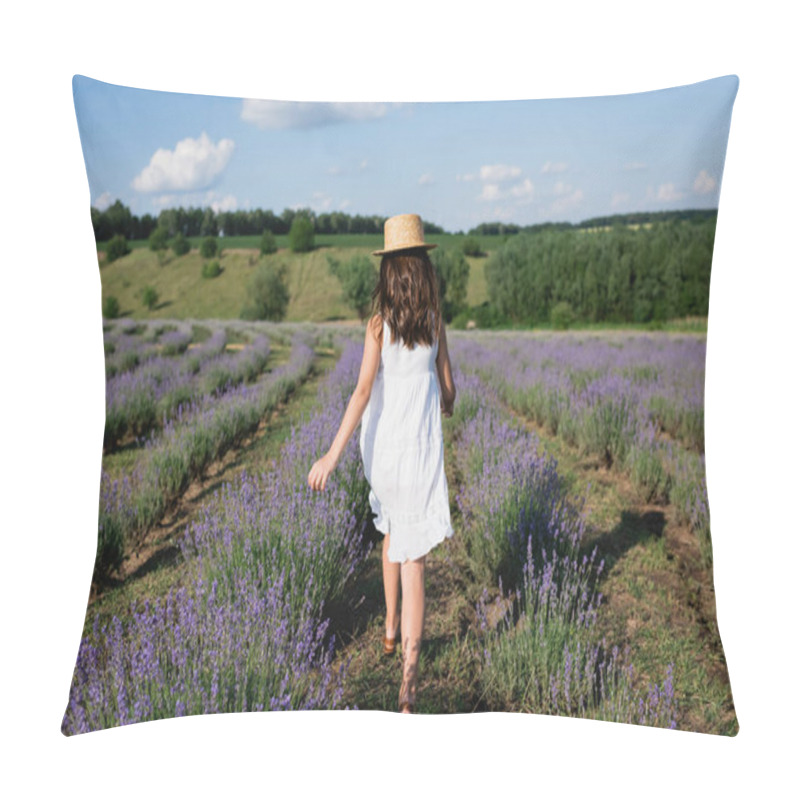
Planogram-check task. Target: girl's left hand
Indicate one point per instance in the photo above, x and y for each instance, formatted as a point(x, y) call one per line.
point(319, 473)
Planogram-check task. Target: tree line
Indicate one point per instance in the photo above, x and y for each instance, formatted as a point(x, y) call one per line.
point(618, 275)
point(118, 220)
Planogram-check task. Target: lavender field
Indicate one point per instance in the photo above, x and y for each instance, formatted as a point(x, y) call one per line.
point(577, 482)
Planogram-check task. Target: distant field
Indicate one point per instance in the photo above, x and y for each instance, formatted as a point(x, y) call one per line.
point(315, 293)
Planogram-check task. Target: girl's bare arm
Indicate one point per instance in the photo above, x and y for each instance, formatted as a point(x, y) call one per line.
point(445, 372)
point(318, 475)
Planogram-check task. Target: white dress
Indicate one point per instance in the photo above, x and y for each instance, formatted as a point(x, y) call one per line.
point(403, 450)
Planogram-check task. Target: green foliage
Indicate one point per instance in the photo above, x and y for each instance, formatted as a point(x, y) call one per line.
point(111, 307)
point(268, 294)
point(472, 246)
point(562, 315)
point(301, 235)
point(209, 247)
point(358, 277)
point(181, 245)
point(117, 247)
point(452, 271)
point(149, 297)
point(268, 244)
point(482, 316)
point(158, 239)
point(618, 275)
point(211, 269)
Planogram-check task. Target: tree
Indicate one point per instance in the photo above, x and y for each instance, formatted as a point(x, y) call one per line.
point(181, 245)
point(149, 297)
point(358, 278)
point(452, 271)
point(117, 247)
point(111, 307)
point(301, 235)
point(472, 246)
point(561, 315)
point(268, 244)
point(208, 247)
point(158, 239)
point(268, 294)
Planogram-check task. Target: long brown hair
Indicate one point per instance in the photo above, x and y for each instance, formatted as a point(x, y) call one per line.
point(407, 296)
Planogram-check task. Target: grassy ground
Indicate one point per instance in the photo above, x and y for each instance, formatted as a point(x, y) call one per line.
point(315, 294)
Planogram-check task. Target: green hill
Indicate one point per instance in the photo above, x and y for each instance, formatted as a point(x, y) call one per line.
point(315, 293)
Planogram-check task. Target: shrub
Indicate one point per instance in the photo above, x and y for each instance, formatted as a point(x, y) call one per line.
point(149, 297)
point(158, 239)
point(117, 247)
point(209, 247)
point(181, 245)
point(268, 294)
point(561, 315)
point(268, 244)
point(301, 235)
point(211, 269)
point(484, 316)
point(111, 307)
point(472, 246)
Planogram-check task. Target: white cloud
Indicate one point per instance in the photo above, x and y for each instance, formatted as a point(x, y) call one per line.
point(565, 201)
point(559, 187)
point(193, 164)
point(103, 202)
point(666, 193)
point(426, 179)
point(491, 191)
point(467, 177)
point(499, 172)
point(522, 190)
point(344, 204)
point(554, 166)
point(634, 165)
point(363, 165)
point(619, 198)
point(704, 183)
point(282, 114)
point(335, 170)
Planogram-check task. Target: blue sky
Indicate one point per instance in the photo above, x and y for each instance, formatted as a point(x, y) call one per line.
point(454, 163)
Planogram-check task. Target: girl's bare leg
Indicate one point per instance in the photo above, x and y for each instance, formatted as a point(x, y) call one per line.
point(412, 578)
point(391, 589)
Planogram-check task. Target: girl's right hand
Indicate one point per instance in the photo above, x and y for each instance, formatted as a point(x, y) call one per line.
point(447, 410)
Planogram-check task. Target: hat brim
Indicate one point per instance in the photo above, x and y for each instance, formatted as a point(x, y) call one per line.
point(405, 247)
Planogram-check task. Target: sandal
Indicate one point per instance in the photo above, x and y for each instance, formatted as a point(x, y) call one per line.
point(390, 645)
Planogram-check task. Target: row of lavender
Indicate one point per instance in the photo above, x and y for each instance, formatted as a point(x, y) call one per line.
point(248, 633)
point(199, 434)
point(637, 401)
point(541, 652)
point(128, 344)
point(139, 400)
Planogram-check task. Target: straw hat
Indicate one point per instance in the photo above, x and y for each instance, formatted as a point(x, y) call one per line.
point(401, 233)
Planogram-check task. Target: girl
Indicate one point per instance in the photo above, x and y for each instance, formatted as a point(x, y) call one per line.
point(404, 386)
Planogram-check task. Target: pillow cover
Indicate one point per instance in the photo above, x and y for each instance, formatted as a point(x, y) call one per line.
point(574, 242)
